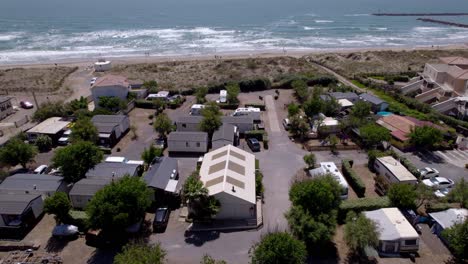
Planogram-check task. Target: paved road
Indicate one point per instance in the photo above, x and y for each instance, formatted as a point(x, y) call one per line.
point(272, 116)
point(278, 164)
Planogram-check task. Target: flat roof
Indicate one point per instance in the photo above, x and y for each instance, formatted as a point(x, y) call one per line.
point(229, 170)
point(15, 204)
point(371, 98)
point(187, 136)
point(392, 224)
point(89, 187)
point(108, 119)
point(112, 169)
point(29, 182)
point(345, 103)
point(50, 126)
point(449, 217)
point(111, 80)
point(397, 169)
point(329, 168)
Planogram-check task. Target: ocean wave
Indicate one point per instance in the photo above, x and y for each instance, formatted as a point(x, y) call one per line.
point(357, 15)
point(323, 21)
point(429, 29)
point(311, 28)
point(11, 36)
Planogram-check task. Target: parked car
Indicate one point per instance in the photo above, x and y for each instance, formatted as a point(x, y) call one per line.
point(160, 143)
point(63, 231)
point(253, 143)
point(26, 105)
point(442, 192)
point(41, 169)
point(55, 171)
point(427, 173)
point(93, 81)
point(161, 218)
point(286, 123)
point(438, 183)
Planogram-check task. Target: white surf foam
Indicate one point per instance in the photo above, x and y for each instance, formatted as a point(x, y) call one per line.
point(323, 21)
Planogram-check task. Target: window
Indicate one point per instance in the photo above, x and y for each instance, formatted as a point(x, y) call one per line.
point(411, 242)
point(198, 144)
point(184, 125)
point(186, 144)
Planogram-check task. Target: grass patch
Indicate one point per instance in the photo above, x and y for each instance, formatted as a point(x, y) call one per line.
point(378, 78)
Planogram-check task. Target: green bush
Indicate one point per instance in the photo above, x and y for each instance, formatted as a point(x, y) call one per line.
point(176, 103)
point(43, 143)
point(261, 106)
point(142, 103)
point(259, 84)
point(362, 204)
point(258, 134)
point(106, 150)
point(228, 106)
point(354, 180)
point(437, 207)
point(265, 141)
point(259, 189)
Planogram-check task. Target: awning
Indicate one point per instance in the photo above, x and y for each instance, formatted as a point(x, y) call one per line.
point(171, 186)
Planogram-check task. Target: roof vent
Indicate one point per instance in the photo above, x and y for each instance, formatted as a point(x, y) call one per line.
point(172, 175)
point(35, 187)
point(233, 189)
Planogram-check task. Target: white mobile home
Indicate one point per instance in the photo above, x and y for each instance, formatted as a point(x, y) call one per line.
point(188, 142)
point(393, 171)
point(330, 168)
point(196, 109)
point(248, 111)
point(397, 235)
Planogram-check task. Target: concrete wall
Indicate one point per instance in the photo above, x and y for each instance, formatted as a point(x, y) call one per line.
point(116, 91)
point(187, 146)
point(234, 208)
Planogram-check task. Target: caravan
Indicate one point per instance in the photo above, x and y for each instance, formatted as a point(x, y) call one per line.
point(223, 96)
point(248, 111)
point(196, 109)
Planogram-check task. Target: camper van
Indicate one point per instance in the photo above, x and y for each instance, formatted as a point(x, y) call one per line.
point(196, 109)
point(248, 111)
point(223, 96)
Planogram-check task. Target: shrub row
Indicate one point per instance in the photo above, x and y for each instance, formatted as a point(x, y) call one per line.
point(362, 204)
point(143, 103)
point(228, 106)
point(285, 81)
point(437, 207)
point(258, 134)
point(355, 181)
point(261, 106)
point(176, 103)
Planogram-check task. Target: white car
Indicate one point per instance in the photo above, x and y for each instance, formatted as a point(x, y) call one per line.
point(65, 231)
point(438, 183)
point(442, 192)
point(41, 169)
point(427, 173)
point(93, 81)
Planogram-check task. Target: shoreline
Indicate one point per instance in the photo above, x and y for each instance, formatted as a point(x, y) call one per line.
point(297, 53)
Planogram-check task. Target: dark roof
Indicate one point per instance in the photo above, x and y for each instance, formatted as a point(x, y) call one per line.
point(113, 119)
point(107, 169)
point(4, 99)
point(371, 99)
point(347, 95)
point(105, 127)
point(225, 132)
point(189, 119)
point(28, 182)
point(160, 172)
point(237, 120)
point(89, 186)
point(187, 136)
point(15, 204)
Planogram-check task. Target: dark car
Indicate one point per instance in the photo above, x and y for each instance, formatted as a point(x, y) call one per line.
point(26, 105)
point(160, 143)
point(253, 143)
point(161, 217)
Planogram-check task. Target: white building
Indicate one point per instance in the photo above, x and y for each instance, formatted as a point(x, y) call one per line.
point(330, 168)
point(196, 109)
point(102, 66)
point(397, 235)
point(229, 175)
point(111, 86)
point(393, 171)
point(248, 111)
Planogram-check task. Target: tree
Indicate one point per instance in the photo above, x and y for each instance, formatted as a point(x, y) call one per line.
point(17, 152)
point(457, 236)
point(313, 106)
point(112, 103)
point(459, 193)
point(84, 130)
point(47, 110)
point(232, 91)
point(310, 160)
point(333, 140)
point(373, 134)
point(75, 105)
point(299, 127)
point(200, 203)
point(361, 110)
point(402, 195)
point(76, 159)
point(152, 86)
point(360, 232)
point(315, 229)
point(424, 194)
point(150, 153)
point(280, 248)
point(193, 187)
point(43, 143)
point(119, 204)
point(317, 195)
point(200, 94)
point(59, 205)
point(163, 125)
point(331, 107)
point(141, 254)
point(207, 259)
point(300, 90)
point(211, 119)
point(425, 137)
point(293, 109)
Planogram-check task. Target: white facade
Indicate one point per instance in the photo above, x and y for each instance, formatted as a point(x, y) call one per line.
point(222, 96)
point(229, 175)
point(195, 110)
point(393, 171)
point(248, 111)
point(187, 142)
point(102, 66)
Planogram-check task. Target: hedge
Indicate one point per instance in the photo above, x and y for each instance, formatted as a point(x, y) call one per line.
point(362, 204)
point(437, 207)
point(146, 104)
point(228, 106)
point(176, 103)
point(355, 181)
point(259, 84)
point(261, 106)
point(265, 141)
point(258, 134)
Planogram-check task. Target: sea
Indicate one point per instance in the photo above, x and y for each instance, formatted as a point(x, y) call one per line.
point(41, 31)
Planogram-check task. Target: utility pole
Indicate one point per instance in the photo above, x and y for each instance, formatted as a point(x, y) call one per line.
point(35, 99)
